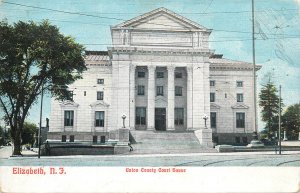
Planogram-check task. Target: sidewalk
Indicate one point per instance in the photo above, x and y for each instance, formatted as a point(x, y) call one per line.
point(6, 152)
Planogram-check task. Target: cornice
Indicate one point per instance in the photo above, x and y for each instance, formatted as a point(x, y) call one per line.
point(228, 67)
point(99, 64)
point(161, 51)
point(207, 31)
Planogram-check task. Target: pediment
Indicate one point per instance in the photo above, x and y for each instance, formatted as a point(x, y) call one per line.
point(68, 104)
point(99, 104)
point(161, 18)
point(215, 106)
point(160, 99)
point(240, 106)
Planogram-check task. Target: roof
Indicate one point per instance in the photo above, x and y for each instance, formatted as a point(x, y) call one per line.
point(227, 63)
point(145, 18)
point(96, 56)
point(216, 56)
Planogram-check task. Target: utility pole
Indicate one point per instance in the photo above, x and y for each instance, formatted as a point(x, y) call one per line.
point(254, 75)
point(279, 123)
point(41, 116)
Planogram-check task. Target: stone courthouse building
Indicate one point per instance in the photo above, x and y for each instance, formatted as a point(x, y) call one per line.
point(160, 73)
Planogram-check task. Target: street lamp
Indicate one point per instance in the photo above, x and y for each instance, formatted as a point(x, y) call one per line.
point(123, 117)
point(40, 128)
point(205, 117)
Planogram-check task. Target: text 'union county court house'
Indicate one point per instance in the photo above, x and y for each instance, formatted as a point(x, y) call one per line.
point(160, 73)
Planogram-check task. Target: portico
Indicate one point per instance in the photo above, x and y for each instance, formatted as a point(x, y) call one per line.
point(165, 91)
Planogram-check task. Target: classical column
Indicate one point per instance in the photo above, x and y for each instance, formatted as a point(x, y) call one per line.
point(189, 98)
point(171, 98)
point(151, 97)
point(132, 97)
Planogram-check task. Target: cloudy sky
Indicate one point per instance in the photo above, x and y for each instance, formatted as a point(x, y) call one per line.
point(277, 25)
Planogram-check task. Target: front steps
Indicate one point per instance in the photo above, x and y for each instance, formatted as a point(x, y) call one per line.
point(159, 142)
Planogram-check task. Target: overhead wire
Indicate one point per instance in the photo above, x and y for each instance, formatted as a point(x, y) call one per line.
point(135, 13)
point(217, 30)
point(114, 18)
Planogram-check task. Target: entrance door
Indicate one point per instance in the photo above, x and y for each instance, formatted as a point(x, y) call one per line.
point(160, 119)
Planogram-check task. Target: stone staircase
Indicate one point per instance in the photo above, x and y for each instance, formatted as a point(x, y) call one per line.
point(159, 142)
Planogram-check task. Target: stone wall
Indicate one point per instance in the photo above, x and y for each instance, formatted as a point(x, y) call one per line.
point(79, 136)
point(230, 138)
point(80, 150)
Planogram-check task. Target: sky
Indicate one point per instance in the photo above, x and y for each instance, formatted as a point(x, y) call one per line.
point(277, 24)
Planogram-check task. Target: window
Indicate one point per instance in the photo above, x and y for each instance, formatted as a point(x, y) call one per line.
point(99, 119)
point(71, 138)
point(95, 139)
point(245, 140)
point(100, 95)
point(100, 81)
point(141, 74)
point(239, 83)
point(69, 118)
point(212, 83)
point(225, 95)
point(240, 120)
point(239, 97)
point(140, 116)
point(63, 138)
point(69, 95)
point(237, 140)
point(213, 119)
point(159, 91)
point(159, 74)
point(178, 75)
point(141, 90)
point(212, 97)
point(102, 139)
point(84, 93)
point(216, 139)
point(179, 116)
point(178, 91)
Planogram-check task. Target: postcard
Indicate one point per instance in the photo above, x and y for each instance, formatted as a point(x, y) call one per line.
point(149, 96)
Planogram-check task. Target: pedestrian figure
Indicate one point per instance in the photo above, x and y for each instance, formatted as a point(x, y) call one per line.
point(131, 149)
point(47, 147)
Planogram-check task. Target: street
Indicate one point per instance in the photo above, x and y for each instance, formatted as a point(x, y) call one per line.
point(252, 159)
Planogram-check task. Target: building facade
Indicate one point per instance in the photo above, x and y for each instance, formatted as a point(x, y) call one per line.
point(161, 74)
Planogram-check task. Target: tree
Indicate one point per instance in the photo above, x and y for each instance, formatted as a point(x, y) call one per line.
point(28, 133)
point(4, 135)
point(34, 57)
point(291, 121)
point(269, 102)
